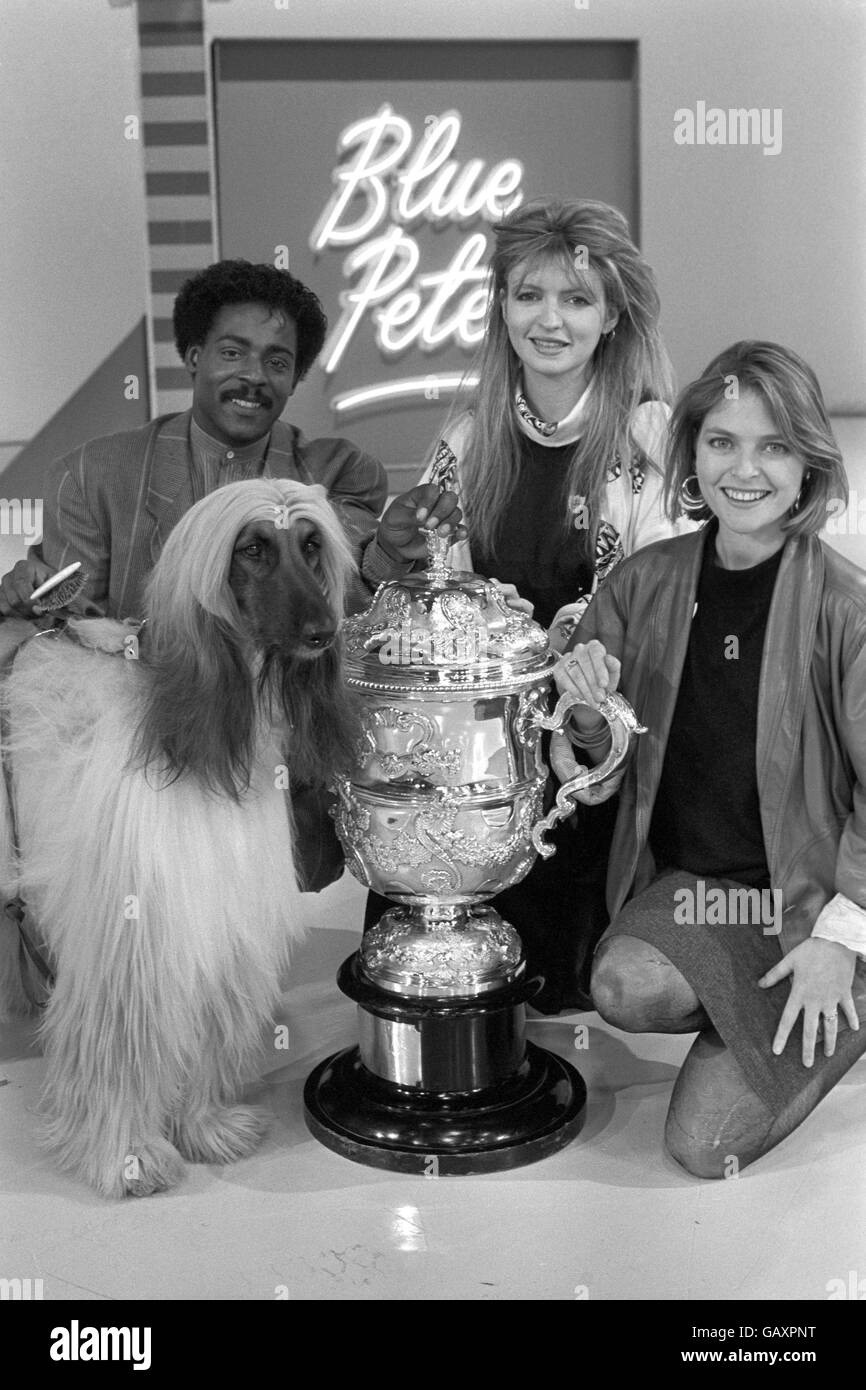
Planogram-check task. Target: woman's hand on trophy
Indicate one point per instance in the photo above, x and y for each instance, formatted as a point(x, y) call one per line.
point(512, 598)
point(590, 673)
point(422, 508)
point(562, 758)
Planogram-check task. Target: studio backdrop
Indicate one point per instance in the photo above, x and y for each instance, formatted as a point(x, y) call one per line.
point(373, 172)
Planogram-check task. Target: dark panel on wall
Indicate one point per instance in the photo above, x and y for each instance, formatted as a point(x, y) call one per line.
point(374, 60)
point(565, 111)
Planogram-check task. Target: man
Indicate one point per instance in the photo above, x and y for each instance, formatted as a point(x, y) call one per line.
point(247, 334)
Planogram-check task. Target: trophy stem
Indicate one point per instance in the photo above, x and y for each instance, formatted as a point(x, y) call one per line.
point(433, 916)
point(441, 950)
point(436, 916)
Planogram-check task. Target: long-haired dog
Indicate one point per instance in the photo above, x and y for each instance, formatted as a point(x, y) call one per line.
point(154, 842)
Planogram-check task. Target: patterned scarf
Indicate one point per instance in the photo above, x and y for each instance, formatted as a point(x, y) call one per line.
point(565, 431)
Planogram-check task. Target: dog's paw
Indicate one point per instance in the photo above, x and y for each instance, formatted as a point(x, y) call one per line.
point(138, 1168)
point(221, 1135)
point(155, 1166)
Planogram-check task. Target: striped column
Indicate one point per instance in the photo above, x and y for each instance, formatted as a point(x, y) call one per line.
point(180, 184)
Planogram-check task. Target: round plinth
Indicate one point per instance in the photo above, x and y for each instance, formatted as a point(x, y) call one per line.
point(438, 1044)
point(444, 1085)
point(535, 1112)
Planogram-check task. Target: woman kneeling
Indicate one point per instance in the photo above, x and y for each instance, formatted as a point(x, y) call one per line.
point(737, 875)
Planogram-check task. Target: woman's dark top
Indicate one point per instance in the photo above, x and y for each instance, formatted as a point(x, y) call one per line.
point(706, 817)
point(531, 550)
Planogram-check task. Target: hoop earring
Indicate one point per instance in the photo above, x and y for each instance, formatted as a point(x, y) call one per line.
point(798, 500)
point(688, 501)
point(609, 337)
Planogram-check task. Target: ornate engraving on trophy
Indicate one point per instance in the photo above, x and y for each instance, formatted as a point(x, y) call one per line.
point(442, 808)
point(415, 751)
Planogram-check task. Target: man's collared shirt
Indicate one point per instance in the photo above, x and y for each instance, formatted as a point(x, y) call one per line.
point(112, 501)
point(215, 464)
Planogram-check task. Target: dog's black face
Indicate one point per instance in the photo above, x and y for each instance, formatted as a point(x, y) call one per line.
point(278, 580)
point(280, 653)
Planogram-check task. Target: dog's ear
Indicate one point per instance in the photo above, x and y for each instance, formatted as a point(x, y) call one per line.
point(322, 718)
point(200, 717)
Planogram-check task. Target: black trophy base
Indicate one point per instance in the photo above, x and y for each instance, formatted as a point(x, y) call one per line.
point(533, 1105)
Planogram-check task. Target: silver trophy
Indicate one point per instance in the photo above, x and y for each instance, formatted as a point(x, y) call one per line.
point(442, 811)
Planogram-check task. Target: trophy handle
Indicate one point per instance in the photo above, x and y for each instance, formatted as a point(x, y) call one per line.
point(623, 723)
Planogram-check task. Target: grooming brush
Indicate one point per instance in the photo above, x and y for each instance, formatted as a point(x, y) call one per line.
point(60, 589)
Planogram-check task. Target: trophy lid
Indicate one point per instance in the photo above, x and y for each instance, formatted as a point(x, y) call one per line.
point(451, 630)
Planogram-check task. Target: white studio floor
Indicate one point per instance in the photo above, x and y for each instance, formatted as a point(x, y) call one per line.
point(608, 1218)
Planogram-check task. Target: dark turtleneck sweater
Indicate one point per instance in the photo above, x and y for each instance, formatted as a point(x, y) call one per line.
point(532, 550)
point(706, 817)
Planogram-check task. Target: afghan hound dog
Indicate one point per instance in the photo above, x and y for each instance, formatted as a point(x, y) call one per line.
point(147, 840)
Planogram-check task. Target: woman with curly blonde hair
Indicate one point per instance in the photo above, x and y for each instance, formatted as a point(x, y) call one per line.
point(556, 456)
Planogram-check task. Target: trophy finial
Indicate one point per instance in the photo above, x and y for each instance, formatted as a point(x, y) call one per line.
point(438, 566)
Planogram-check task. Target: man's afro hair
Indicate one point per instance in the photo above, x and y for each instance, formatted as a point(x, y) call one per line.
point(201, 297)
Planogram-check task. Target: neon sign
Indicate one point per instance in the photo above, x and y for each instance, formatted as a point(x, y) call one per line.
point(381, 192)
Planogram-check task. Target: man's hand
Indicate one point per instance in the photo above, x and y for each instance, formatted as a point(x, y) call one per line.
point(422, 508)
point(512, 599)
point(821, 976)
point(17, 586)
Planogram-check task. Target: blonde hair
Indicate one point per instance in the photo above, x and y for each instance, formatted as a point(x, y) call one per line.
point(629, 367)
